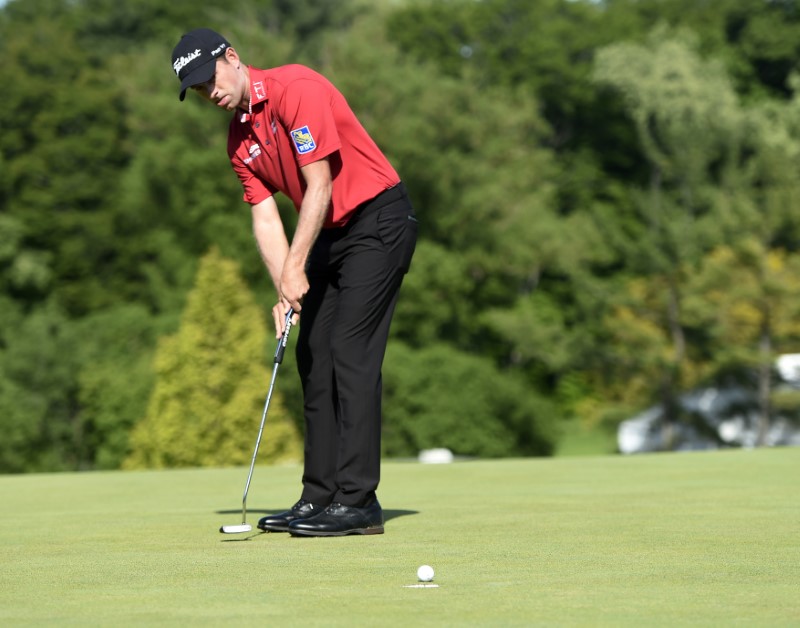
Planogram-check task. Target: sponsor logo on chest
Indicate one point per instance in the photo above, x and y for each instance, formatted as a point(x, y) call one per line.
point(255, 151)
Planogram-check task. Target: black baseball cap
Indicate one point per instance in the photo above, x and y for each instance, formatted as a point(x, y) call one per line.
point(194, 59)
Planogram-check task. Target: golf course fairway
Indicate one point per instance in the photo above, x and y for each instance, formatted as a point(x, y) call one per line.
point(705, 539)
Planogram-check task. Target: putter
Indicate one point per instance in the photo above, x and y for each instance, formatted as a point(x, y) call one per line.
point(279, 350)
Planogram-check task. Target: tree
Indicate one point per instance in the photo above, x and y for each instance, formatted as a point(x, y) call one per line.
point(746, 292)
point(114, 354)
point(210, 382)
point(757, 40)
point(713, 292)
point(37, 391)
point(690, 127)
point(61, 154)
point(441, 397)
point(748, 299)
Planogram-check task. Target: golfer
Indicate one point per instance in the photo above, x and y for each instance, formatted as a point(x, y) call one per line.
point(293, 132)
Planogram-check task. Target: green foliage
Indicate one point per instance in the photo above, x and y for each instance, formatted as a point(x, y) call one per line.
point(684, 108)
point(60, 163)
point(584, 174)
point(72, 389)
point(756, 40)
point(431, 303)
point(211, 381)
point(441, 397)
point(546, 45)
point(713, 296)
point(36, 392)
point(741, 294)
point(115, 351)
point(536, 330)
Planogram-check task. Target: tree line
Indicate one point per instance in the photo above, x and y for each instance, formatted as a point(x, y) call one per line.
point(607, 192)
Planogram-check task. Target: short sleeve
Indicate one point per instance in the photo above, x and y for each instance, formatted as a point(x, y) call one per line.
point(306, 111)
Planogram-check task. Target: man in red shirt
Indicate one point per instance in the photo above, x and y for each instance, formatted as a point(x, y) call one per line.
point(293, 132)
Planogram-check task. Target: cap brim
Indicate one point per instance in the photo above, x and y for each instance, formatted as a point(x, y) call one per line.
point(199, 75)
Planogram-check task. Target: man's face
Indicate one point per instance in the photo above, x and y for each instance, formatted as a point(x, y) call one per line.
point(228, 86)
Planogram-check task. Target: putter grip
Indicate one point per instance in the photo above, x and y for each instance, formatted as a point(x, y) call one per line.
point(284, 339)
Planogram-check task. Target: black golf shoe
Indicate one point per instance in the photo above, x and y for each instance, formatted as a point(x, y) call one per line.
point(281, 521)
point(340, 520)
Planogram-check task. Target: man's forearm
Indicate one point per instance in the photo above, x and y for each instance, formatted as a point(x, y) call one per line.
point(313, 209)
point(270, 239)
point(312, 216)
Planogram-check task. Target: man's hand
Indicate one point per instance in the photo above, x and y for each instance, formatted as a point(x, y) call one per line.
point(294, 286)
point(279, 312)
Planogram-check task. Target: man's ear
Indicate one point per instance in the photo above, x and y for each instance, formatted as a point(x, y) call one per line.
point(232, 56)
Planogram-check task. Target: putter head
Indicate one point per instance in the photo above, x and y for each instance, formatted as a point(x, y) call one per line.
point(244, 527)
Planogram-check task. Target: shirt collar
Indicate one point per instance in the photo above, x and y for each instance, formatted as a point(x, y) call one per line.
point(258, 87)
point(258, 90)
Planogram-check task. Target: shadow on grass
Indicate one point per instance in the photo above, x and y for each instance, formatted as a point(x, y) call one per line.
point(239, 539)
point(388, 515)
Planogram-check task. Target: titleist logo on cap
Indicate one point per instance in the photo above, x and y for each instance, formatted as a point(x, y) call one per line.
point(182, 62)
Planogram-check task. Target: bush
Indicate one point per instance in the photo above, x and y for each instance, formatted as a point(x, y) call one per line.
point(211, 382)
point(441, 397)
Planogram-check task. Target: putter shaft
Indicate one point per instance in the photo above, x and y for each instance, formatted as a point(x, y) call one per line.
point(279, 351)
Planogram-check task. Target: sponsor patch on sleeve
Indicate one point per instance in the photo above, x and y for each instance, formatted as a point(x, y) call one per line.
point(303, 141)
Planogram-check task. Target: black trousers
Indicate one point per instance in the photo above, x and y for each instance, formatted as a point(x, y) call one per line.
point(354, 274)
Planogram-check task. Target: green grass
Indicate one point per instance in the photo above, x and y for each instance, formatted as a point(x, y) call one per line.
point(673, 539)
point(579, 439)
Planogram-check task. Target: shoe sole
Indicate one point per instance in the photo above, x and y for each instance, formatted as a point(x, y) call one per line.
point(273, 528)
point(362, 531)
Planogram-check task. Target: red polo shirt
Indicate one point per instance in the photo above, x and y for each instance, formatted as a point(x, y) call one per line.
point(298, 117)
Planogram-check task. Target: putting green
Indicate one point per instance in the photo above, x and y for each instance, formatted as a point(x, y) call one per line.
point(701, 538)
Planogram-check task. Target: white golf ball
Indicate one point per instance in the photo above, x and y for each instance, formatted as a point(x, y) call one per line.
point(425, 573)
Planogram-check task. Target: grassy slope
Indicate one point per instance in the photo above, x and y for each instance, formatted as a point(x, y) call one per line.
point(706, 539)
